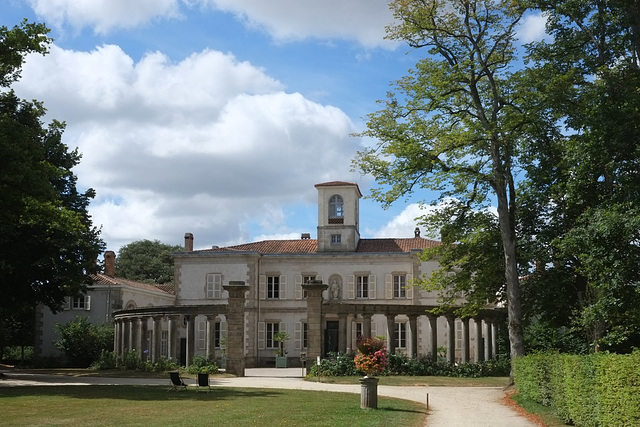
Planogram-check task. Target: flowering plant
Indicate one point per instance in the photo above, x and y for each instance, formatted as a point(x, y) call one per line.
point(372, 357)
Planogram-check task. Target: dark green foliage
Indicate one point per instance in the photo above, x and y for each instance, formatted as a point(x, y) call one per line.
point(146, 261)
point(202, 365)
point(83, 342)
point(337, 364)
point(591, 390)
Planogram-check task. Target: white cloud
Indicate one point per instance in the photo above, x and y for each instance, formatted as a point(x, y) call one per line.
point(104, 15)
point(206, 145)
point(286, 20)
point(404, 224)
point(283, 20)
point(532, 27)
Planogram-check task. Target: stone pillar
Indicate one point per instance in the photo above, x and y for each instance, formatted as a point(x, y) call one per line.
point(433, 325)
point(235, 327)
point(465, 340)
point(494, 326)
point(314, 289)
point(173, 338)
point(489, 340)
point(366, 325)
point(157, 338)
point(211, 339)
point(369, 393)
point(342, 337)
point(391, 339)
point(130, 341)
point(413, 326)
point(139, 338)
point(451, 339)
point(191, 338)
point(479, 340)
point(117, 336)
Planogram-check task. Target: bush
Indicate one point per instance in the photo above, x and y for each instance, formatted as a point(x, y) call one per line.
point(202, 365)
point(107, 360)
point(335, 365)
point(82, 341)
point(592, 390)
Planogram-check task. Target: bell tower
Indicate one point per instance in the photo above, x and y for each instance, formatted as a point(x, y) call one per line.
point(338, 216)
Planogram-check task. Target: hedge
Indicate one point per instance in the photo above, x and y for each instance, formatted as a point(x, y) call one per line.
point(594, 390)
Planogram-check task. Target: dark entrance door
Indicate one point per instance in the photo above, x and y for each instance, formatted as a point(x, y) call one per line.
point(331, 337)
point(183, 351)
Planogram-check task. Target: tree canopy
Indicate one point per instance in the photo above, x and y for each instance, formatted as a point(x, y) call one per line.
point(146, 261)
point(48, 244)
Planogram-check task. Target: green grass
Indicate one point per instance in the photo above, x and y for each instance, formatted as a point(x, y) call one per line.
point(421, 381)
point(545, 413)
point(154, 405)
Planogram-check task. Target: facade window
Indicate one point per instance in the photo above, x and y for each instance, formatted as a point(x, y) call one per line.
point(362, 286)
point(359, 330)
point(336, 207)
point(336, 239)
point(214, 286)
point(80, 303)
point(399, 286)
point(164, 344)
point(400, 335)
point(272, 329)
point(273, 287)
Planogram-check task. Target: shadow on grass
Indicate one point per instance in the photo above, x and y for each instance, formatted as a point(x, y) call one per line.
point(133, 392)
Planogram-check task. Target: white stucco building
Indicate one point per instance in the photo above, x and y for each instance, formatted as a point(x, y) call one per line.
point(367, 292)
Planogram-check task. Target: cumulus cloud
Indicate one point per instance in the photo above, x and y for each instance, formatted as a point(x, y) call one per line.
point(532, 27)
point(206, 145)
point(404, 224)
point(284, 20)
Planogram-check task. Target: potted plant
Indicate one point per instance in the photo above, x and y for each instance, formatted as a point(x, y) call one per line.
point(281, 353)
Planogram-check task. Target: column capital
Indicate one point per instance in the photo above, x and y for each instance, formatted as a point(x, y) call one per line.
point(236, 288)
point(314, 288)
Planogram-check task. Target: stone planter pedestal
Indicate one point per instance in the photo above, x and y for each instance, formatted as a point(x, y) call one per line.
point(369, 392)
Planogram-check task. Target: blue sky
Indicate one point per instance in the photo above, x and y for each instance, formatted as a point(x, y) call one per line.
point(217, 117)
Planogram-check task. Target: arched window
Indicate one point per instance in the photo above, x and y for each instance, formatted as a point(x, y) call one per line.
point(336, 207)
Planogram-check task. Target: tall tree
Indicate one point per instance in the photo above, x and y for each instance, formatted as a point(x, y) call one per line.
point(455, 125)
point(146, 261)
point(586, 185)
point(48, 244)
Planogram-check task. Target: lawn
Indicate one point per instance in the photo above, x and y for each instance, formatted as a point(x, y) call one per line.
point(154, 405)
point(422, 381)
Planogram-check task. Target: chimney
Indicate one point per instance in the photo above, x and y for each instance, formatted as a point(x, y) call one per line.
point(188, 242)
point(417, 232)
point(305, 236)
point(110, 263)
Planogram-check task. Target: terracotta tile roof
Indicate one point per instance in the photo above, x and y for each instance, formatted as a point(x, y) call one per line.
point(310, 246)
point(103, 279)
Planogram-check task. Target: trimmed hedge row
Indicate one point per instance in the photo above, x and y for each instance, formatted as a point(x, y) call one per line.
point(593, 390)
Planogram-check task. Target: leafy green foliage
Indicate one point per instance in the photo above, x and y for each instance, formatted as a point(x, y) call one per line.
point(146, 261)
point(592, 390)
point(82, 341)
point(202, 365)
point(49, 245)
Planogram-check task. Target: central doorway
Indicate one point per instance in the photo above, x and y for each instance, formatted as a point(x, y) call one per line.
point(331, 335)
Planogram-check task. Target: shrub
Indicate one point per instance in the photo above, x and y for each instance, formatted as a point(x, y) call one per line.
point(335, 365)
point(107, 360)
point(202, 365)
point(82, 341)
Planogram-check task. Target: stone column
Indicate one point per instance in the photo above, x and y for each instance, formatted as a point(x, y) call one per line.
point(479, 340)
point(314, 289)
point(494, 326)
point(342, 337)
point(235, 327)
point(465, 340)
point(139, 338)
point(369, 393)
point(489, 340)
point(173, 338)
point(211, 339)
point(366, 325)
point(117, 336)
point(391, 339)
point(130, 334)
point(433, 325)
point(413, 326)
point(157, 338)
point(451, 341)
point(191, 338)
